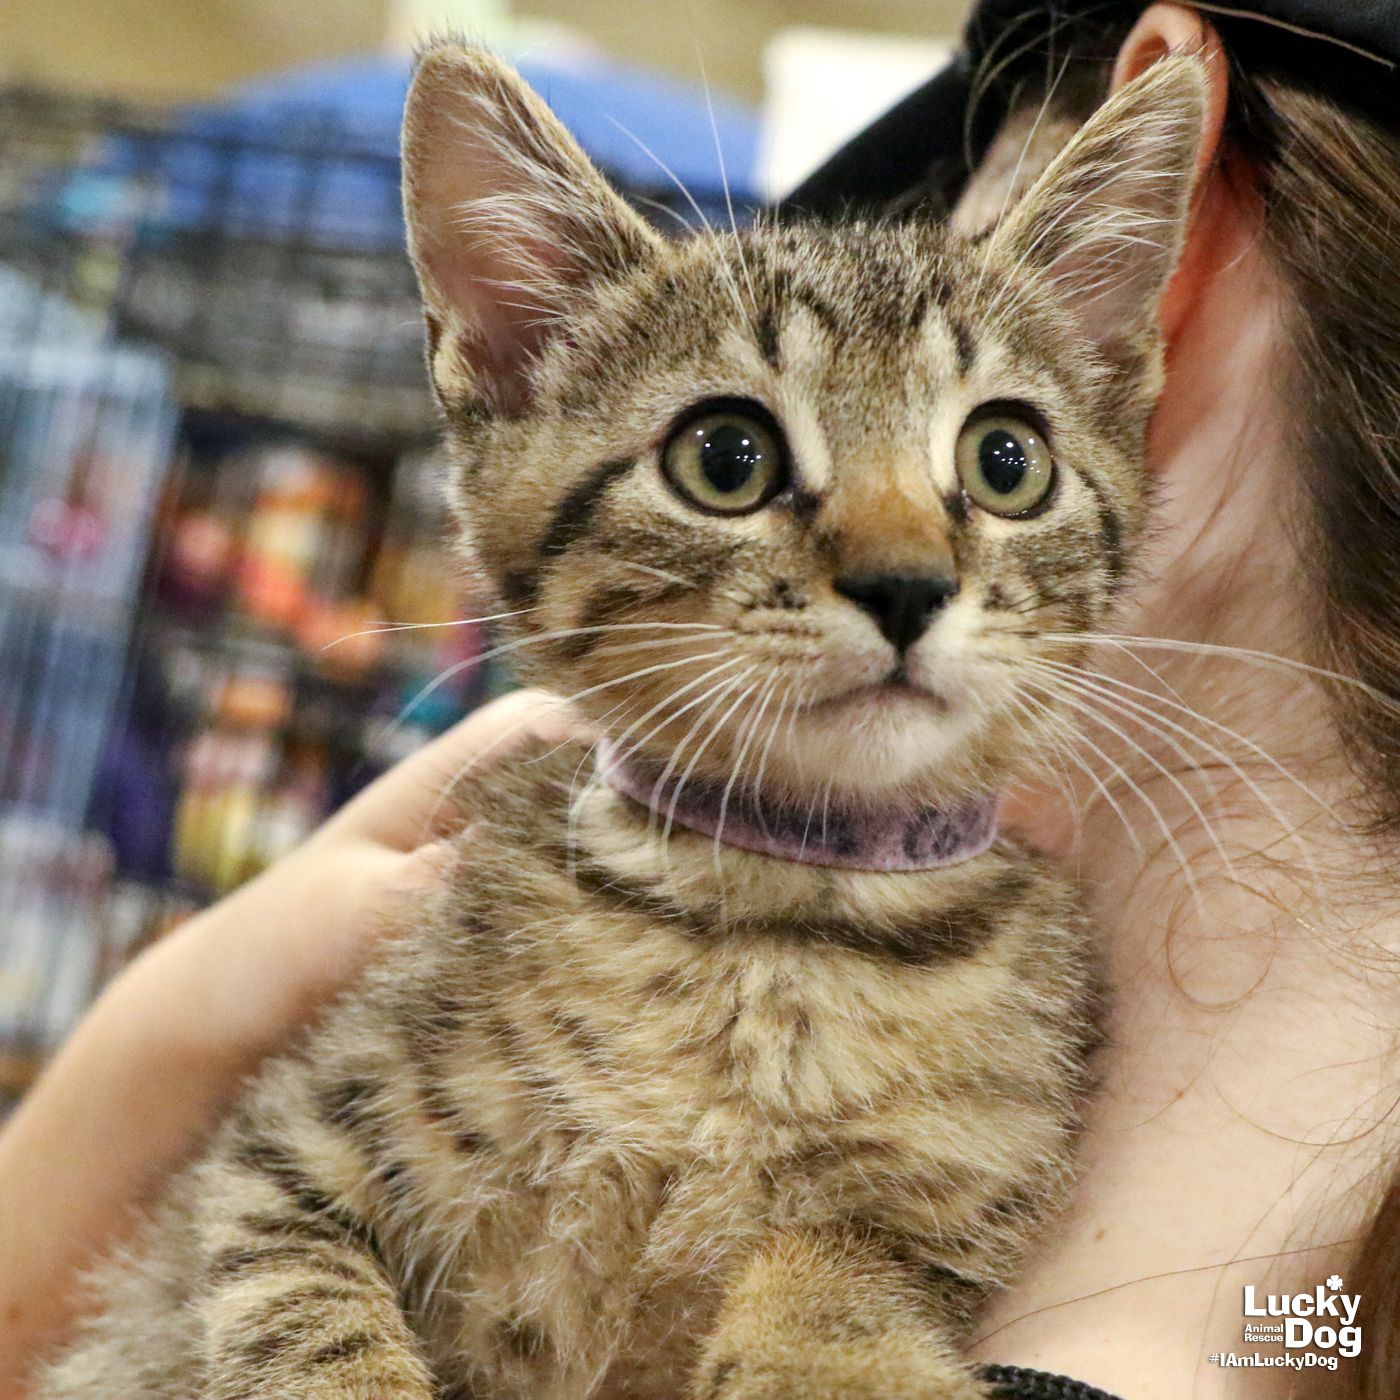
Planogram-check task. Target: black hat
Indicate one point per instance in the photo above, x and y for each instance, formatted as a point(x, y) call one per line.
point(940, 124)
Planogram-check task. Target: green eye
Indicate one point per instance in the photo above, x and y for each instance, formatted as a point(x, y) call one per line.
point(1005, 463)
point(728, 461)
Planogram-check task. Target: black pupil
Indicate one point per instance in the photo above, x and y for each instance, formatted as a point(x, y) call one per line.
point(1003, 463)
point(729, 455)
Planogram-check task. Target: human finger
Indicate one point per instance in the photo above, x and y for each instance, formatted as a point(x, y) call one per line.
point(398, 809)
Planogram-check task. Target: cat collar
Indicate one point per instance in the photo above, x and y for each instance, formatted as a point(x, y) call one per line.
point(847, 838)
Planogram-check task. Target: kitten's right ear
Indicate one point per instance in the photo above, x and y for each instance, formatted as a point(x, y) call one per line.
point(507, 221)
point(1108, 219)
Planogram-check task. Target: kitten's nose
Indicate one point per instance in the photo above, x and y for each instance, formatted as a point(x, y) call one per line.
point(901, 604)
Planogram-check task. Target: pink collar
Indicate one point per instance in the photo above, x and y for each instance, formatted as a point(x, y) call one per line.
point(924, 838)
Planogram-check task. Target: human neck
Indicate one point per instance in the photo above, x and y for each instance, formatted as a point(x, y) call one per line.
point(1247, 1049)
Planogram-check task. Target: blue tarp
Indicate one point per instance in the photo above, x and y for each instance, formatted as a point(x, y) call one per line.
point(311, 155)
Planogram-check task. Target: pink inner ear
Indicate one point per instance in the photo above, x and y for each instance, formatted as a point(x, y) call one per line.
point(492, 290)
point(1114, 299)
point(506, 217)
point(499, 309)
point(1106, 221)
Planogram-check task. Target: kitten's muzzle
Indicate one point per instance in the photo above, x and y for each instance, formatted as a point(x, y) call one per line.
point(901, 605)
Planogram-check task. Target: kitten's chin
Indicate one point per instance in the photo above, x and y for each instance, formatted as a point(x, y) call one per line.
point(885, 738)
point(885, 697)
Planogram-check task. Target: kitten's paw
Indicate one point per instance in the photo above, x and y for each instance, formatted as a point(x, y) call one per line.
point(837, 1375)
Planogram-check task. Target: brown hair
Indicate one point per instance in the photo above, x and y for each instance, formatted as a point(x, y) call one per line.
point(1377, 1279)
point(1320, 130)
point(1331, 185)
point(1329, 173)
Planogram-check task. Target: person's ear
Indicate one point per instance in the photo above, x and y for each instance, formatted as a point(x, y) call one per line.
point(1165, 29)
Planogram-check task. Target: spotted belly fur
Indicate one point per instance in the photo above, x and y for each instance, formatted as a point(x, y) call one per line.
point(565, 1107)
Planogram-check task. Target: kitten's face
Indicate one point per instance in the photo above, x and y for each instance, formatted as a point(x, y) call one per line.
point(813, 505)
point(810, 487)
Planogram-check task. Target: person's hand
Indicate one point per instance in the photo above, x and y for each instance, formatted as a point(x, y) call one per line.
point(145, 1075)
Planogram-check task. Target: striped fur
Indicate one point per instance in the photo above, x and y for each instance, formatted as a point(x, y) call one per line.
point(624, 1112)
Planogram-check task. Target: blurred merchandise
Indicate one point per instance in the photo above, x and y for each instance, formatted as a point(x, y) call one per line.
point(289, 620)
point(85, 434)
point(227, 595)
point(68, 927)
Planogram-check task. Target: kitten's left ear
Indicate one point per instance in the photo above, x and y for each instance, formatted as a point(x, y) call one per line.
point(508, 222)
point(1107, 221)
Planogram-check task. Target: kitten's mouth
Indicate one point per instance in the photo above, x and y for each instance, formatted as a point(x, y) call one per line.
point(894, 691)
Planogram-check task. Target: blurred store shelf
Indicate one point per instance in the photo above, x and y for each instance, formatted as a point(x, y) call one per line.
point(220, 503)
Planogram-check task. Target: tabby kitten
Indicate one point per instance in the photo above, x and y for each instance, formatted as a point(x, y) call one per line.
point(740, 1056)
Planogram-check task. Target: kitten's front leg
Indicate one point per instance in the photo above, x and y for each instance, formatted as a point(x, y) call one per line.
point(816, 1315)
point(297, 1305)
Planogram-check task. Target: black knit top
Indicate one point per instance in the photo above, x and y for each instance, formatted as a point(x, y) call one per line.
point(1016, 1383)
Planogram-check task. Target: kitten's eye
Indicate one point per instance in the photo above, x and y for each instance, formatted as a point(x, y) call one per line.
point(1005, 463)
point(726, 460)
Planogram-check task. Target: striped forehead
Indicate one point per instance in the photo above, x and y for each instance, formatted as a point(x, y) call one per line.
point(874, 288)
point(852, 351)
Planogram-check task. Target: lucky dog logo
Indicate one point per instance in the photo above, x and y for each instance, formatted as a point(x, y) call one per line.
point(1316, 1330)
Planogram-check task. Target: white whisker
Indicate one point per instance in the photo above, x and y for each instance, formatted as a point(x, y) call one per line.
point(1070, 686)
point(1055, 695)
point(745, 739)
point(698, 755)
point(381, 628)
